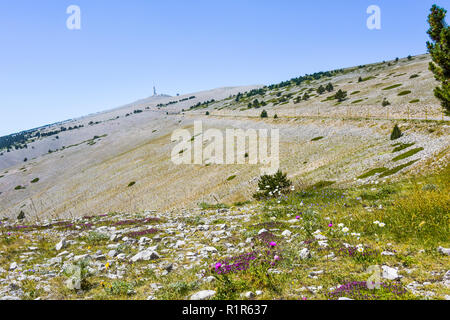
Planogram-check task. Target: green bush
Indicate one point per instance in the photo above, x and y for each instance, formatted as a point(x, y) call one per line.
point(272, 185)
point(264, 114)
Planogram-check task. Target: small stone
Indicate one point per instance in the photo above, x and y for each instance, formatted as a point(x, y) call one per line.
point(112, 253)
point(305, 253)
point(390, 273)
point(60, 245)
point(444, 251)
point(286, 233)
point(203, 295)
point(145, 255)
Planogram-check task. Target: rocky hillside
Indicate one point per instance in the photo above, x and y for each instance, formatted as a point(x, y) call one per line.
point(316, 243)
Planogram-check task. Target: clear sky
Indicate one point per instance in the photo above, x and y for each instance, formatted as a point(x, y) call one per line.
point(49, 73)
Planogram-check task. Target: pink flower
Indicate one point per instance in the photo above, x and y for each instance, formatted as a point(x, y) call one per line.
point(330, 224)
point(273, 244)
point(218, 265)
point(276, 258)
point(297, 217)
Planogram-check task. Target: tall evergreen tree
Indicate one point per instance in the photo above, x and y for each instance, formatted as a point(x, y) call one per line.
point(439, 48)
point(329, 87)
point(341, 95)
point(321, 89)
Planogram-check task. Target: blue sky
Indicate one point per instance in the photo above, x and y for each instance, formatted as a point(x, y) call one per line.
point(49, 73)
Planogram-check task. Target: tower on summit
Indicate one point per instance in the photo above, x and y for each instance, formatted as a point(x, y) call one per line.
point(154, 90)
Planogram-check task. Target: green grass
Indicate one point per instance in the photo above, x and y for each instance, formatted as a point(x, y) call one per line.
point(231, 177)
point(206, 206)
point(35, 180)
point(368, 78)
point(317, 139)
point(404, 93)
point(402, 146)
point(132, 183)
point(415, 101)
point(357, 101)
point(407, 154)
point(396, 169)
point(392, 87)
point(422, 215)
point(372, 173)
point(355, 92)
point(322, 184)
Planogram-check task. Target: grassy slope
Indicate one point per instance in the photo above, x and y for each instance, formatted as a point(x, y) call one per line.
point(415, 211)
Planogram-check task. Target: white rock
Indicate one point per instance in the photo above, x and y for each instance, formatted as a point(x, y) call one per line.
point(304, 253)
point(60, 245)
point(143, 240)
point(262, 231)
point(73, 283)
point(180, 243)
point(286, 233)
point(13, 266)
point(344, 298)
point(390, 273)
point(209, 249)
point(445, 251)
point(203, 295)
point(9, 298)
point(145, 255)
point(112, 253)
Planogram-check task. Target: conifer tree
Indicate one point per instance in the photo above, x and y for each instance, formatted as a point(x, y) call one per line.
point(439, 48)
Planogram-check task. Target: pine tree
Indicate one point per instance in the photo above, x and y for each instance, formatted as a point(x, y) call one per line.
point(21, 215)
point(305, 96)
point(321, 89)
point(396, 133)
point(439, 48)
point(264, 114)
point(329, 87)
point(341, 95)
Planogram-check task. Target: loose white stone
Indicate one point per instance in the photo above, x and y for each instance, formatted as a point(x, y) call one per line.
point(203, 295)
